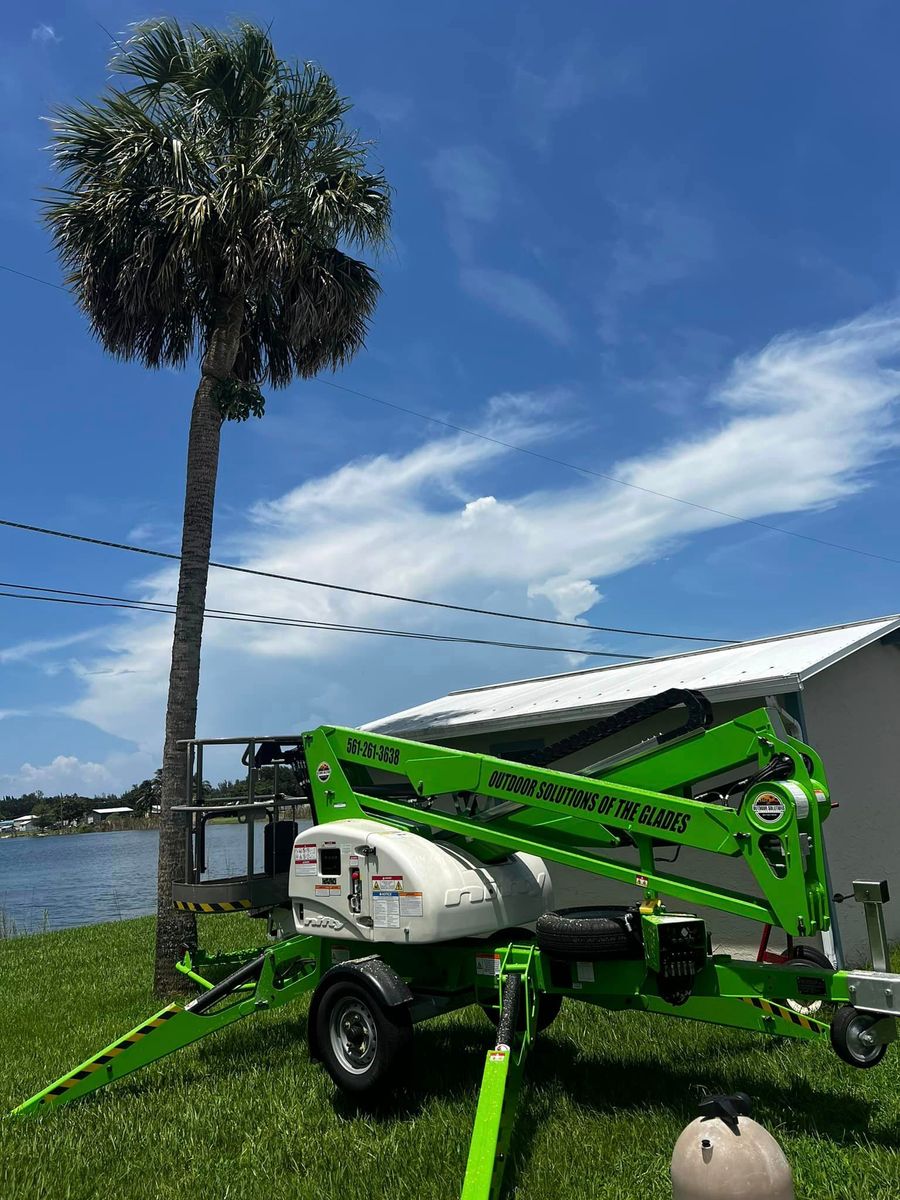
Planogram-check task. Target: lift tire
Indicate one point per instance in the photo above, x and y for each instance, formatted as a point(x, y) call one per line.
point(362, 1043)
point(809, 956)
point(847, 1025)
point(591, 934)
point(549, 1004)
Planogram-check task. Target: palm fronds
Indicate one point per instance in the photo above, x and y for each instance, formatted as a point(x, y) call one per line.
point(218, 172)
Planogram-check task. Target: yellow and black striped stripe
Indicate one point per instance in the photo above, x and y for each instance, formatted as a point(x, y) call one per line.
point(219, 906)
point(113, 1051)
point(771, 1009)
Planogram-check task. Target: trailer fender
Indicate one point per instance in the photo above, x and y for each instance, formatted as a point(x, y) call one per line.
point(373, 973)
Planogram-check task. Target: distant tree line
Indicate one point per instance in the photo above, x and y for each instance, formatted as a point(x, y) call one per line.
point(143, 797)
point(67, 807)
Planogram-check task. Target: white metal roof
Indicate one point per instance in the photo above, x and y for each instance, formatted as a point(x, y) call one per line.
point(109, 811)
point(766, 666)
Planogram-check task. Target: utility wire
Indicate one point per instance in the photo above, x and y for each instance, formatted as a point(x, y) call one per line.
point(339, 587)
point(33, 278)
point(97, 600)
point(559, 462)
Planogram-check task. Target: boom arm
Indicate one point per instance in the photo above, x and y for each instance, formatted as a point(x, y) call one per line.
point(773, 822)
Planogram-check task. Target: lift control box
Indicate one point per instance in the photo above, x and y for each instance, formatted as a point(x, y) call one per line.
point(365, 881)
point(675, 945)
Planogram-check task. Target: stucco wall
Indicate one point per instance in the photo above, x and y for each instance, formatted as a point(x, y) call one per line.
point(852, 713)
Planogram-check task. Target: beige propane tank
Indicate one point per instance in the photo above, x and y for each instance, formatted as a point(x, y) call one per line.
point(723, 1155)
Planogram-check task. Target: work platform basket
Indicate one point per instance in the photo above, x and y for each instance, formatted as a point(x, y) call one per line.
point(270, 806)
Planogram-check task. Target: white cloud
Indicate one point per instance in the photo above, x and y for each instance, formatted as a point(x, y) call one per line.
point(387, 107)
point(795, 427)
point(68, 774)
point(469, 178)
point(44, 34)
point(519, 298)
point(546, 93)
point(661, 237)
point(37, 647)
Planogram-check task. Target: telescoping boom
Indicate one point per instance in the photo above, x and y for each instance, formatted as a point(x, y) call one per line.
point(423, 886)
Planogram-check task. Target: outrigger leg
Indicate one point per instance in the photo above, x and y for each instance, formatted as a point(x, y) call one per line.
point(275, 977)
point(501, 1083)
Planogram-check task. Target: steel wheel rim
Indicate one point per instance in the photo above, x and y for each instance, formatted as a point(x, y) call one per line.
point(861, 1050)
point(353, 1035)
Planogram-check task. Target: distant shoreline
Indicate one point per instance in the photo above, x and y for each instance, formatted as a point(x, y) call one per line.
point(133, 825)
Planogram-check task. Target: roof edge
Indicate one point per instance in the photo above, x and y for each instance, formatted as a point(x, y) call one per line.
point(892, 619)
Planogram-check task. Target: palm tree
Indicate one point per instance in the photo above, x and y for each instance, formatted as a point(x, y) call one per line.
point(208, 208)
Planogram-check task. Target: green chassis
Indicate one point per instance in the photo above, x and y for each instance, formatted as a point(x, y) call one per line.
point(643, 803)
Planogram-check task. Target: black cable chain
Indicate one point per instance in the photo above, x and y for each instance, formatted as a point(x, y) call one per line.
point(700, 716)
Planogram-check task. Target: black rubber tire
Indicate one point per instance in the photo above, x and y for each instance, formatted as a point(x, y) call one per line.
point(846, 1024)
point(549, 1004)
point(810, 956)
point(384, 1055)
point(591, 934)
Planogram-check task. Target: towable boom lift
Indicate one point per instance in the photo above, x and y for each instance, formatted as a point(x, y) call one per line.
point(412, 892)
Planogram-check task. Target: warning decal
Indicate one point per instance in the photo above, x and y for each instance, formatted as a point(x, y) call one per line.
point(411, 904)
point(487, 964)
point(386, 901)
point(304, 860)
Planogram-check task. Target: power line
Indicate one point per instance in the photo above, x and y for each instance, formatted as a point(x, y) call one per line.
point(33, 278)
point(97, 600)
point(559, 462)
point(339, 587)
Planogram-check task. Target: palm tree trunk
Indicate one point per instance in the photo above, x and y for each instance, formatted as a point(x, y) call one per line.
point(174, 929)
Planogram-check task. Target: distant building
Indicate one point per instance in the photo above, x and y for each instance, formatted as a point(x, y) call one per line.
point(97, 815)
point(18, 824)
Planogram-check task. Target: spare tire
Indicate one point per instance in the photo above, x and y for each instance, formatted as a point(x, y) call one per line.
point(591, 934)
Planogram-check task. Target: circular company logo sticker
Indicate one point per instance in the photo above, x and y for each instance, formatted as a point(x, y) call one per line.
point(768, 807)
point(323, 772)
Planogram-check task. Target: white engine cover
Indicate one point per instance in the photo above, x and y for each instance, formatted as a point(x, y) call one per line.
point(365, 881)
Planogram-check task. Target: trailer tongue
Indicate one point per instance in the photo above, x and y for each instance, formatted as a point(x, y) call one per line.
point(416, 888)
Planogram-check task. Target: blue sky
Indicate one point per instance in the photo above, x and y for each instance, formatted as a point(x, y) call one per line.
point(657, 240)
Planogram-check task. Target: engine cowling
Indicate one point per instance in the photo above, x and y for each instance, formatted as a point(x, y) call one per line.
point(365, 881)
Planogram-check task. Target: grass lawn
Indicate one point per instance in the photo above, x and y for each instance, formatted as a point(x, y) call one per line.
point(245, 1116)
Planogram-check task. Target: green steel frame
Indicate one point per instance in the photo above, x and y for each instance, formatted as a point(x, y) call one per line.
point(639, 805)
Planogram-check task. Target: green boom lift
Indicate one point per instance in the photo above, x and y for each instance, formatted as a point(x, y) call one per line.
point(422, 887)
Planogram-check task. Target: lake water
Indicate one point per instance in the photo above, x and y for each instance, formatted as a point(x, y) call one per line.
point(87, 878)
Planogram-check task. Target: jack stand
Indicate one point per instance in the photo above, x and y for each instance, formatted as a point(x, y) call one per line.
point(873, 897)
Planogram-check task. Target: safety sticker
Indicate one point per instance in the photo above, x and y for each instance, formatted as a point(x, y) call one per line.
point(487, 964)
point(323, 772)
point(768, 807)
point(641, 880)
point(386, 901)
point(304, 860)
point(498, 1055)
point(411, 904)
point(328, 891)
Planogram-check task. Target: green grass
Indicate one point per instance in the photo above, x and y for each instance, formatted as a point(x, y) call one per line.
point(245, 1115)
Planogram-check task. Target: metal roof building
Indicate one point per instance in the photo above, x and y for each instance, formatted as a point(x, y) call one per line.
point(766, 666)
point(840, 686)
